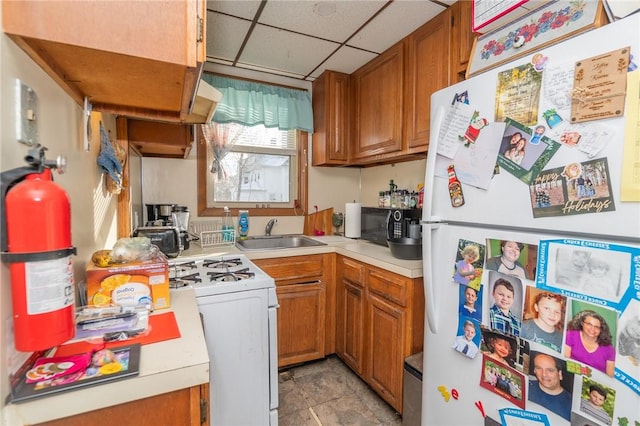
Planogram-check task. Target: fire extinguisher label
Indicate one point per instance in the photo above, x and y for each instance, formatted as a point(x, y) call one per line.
point(49, 285)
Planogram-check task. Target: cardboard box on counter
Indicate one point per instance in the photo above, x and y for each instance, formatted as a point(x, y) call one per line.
point(129, 283)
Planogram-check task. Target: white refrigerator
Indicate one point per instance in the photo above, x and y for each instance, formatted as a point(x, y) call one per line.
point(555, 340)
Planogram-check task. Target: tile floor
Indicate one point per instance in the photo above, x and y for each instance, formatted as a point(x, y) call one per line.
point(328, 393)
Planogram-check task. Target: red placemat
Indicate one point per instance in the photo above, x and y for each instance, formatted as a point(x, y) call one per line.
point(161, 327)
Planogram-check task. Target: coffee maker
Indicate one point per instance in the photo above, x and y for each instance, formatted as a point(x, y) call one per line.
point(160, 214)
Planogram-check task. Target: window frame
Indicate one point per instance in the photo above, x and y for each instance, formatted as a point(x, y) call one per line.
point(303, 175)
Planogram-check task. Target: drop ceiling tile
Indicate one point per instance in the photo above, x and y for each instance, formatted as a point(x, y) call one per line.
point(225, 35)
point(299, 16)
point(345, 60)
point(282, 50)
point(244, 9)
point(397, 21)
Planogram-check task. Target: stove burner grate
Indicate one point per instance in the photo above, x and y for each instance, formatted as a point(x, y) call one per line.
point(195, 277)
point(185, 266)
point(238, 275)
point(221, 263)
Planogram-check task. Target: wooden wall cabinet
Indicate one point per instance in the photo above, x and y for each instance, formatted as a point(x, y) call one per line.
point(141, 59)
point(306, 294)
point(391, 95)
point(378, 94)
point(331, 119)
point(158, 139)
point(380, 321)
point(188, 407)
point(427, 71)
point(461, 39)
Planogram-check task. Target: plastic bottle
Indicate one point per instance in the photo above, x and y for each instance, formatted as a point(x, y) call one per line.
point(420, 195)
point(455, 188)
point(243, 224)
point(227, 226)
point(413, 202)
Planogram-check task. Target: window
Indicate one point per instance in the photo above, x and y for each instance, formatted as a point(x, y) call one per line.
point(257, 166)
point(251, 167)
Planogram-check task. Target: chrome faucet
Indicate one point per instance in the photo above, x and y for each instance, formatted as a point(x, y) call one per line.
point(267, 229)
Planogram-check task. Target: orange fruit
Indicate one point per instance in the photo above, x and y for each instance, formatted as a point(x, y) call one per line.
point(113, 281)
point(101, 299)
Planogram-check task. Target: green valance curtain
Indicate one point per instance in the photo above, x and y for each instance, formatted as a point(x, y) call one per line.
point(249, 103)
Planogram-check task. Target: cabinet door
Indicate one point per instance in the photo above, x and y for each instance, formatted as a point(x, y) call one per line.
point(188, 407)
point(461, 39)
point(378, 104)
point(350, 311)
point(385, 341)
point(114, 53)
point(331, 119)
point(301, 318)
point(427, 72)
point(350, 333)
point(301, 285)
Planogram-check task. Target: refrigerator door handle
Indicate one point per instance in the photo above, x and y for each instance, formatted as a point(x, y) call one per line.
point(429, 285)
point(427, 207)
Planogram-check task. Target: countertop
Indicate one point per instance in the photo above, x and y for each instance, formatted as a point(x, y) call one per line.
point(164, 367)
point(363, 251)
point(184, 362)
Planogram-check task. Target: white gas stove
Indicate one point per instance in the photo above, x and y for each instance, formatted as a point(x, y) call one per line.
point(209, 275)
point(238, 305)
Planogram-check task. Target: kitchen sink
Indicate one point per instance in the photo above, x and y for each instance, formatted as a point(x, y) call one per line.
point(276, 242)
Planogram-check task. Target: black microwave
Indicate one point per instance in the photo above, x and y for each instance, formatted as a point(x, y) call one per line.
point(378, 224)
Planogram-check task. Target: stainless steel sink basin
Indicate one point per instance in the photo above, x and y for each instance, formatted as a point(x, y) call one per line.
point(277, 242)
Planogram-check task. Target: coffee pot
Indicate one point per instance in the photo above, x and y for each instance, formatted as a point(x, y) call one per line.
point(180, 216)
point(159, 214)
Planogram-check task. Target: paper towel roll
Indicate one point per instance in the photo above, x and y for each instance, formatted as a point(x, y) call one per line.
point(352, 220)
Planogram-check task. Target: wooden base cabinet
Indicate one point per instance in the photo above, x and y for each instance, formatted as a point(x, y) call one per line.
point(350, 314)
point(304, 285)
point(380, 321)
point(188, 407)
point(301, 322)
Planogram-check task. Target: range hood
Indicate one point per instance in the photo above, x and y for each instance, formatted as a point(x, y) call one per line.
point(205, 103)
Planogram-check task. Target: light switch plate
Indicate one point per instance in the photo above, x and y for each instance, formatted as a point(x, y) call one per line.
point(26, 114)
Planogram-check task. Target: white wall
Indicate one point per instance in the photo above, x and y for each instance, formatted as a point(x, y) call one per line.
point(375, 179)
point(92, 209)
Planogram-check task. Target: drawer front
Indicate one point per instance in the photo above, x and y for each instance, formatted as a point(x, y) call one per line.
point(390, 286)
point(296, 269)
point(352, 271)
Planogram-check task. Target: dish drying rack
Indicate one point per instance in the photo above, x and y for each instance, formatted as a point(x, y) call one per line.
point(210, 233)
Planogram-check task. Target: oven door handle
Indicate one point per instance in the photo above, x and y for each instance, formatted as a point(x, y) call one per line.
point(273, 358)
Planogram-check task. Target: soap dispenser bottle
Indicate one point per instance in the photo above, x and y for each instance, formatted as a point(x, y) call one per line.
point(243, 224)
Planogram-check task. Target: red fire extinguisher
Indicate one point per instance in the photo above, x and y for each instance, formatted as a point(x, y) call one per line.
point(36, 243)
